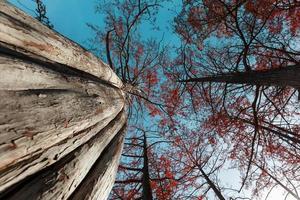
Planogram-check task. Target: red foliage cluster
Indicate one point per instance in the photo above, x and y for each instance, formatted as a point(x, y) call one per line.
point(165, 187)
point(171, 98)
point(151, 78)
point(153, 110)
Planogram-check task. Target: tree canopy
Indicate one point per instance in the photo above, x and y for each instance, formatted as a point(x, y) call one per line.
point(226, 98)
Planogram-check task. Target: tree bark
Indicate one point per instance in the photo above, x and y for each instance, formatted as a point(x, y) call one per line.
point(97, 184)
point(147, 191)
point(282, 77)
point(23, 34)
point(60, 180)
point(60, 108)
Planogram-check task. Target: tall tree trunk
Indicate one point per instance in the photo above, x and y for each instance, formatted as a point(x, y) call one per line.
point(211, 184)
point(147, 192)
point(286, 76)
point(62, 114)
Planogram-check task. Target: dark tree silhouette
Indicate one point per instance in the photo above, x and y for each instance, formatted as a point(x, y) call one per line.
point(41, 13)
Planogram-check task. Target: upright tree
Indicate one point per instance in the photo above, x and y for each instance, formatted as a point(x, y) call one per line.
point(144, 172)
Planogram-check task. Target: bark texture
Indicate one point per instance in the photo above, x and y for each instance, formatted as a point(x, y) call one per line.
point(62, 114)
point(282, 77)
point(23, 34)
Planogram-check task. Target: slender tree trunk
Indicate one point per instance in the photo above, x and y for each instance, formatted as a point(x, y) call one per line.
point(147, 192)
point(211, 184)
point(62, 114)
point(286, 76)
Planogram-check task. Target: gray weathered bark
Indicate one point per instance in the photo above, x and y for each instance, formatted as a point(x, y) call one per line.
point(21, 33)
point(60, 108)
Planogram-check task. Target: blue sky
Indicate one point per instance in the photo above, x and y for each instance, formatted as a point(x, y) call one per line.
point(70, 17)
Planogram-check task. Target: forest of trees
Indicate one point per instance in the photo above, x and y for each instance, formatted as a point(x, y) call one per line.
point(228, 99)
point(213, 117)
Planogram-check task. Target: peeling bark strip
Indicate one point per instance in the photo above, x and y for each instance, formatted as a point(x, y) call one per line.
point(60, 108)
point(24, 34)
point(39, 126)
point(97, 184)
point(61, 179)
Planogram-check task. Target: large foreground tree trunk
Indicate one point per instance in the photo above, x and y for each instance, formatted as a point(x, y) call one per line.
point(62, 114)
